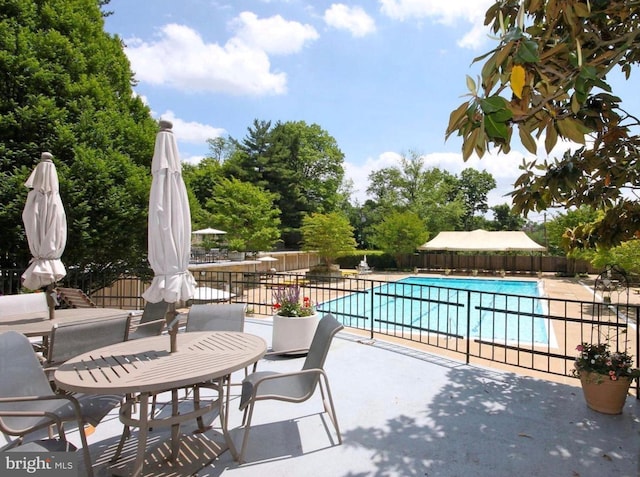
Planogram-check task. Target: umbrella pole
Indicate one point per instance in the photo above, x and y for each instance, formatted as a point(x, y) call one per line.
point(50, 300)
point(173, 327)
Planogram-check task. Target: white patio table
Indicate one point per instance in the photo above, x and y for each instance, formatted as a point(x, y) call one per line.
point(145, 367)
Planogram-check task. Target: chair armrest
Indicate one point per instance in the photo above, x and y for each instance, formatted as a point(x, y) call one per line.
point(52, 416)
point(74, 402)
point(279, 375)
point(148, 323)
point(251, 387)
point(279, 353)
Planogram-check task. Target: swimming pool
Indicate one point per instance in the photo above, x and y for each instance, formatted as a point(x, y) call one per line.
point(486, 309)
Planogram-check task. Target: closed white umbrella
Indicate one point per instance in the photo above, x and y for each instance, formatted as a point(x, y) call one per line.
point(169, 228)
point(45, 224)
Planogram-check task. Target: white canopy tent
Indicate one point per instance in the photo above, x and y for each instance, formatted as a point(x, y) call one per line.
point(483, 241)
point(209, 231)
point(199, 235)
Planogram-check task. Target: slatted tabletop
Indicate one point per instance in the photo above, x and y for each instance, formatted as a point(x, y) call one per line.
point(147, 366)
point(39, 324)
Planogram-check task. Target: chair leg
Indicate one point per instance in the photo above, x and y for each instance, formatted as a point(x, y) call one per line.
point(85, 450)
point(327, 401)
point(248, 414)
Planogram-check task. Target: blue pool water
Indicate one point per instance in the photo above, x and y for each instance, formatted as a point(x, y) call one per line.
point(488, 309)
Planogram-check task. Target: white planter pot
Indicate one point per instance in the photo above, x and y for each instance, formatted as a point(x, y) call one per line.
point(236, 256)
point(293, 333)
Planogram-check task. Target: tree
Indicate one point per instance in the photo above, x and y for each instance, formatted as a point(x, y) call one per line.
point(221, 148)
point(201, 178)
point(301, 164)
point(66, 88)
point(624, 256)
point(399, 234)
point(505, 219)
point(432, 194)
point(548, 77)
point(330, 235)
point(246, 213)
point(474, 187)
point(562, 227)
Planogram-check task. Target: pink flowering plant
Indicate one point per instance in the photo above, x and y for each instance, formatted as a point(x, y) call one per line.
point(599, 359)
point(287, 301)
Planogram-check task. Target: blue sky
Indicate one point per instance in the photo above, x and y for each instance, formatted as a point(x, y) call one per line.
point(381, 76)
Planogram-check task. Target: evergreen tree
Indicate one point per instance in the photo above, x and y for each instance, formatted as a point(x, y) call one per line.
point(300, 164)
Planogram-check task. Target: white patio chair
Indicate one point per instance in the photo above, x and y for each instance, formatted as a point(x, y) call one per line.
point(222, 317)
point(70, 340)
point(297, 386)
point(28, 403)
point(151, 322)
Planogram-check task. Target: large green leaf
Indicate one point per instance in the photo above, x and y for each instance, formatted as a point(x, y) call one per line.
point(527, 52)
point(493, 104)
point(495, 128)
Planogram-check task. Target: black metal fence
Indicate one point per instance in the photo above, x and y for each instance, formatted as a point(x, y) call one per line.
point(538, 333)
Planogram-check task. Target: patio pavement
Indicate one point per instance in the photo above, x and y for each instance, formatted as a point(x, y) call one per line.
point(404, 412)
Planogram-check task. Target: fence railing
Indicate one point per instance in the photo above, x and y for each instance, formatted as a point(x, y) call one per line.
point(538, 333)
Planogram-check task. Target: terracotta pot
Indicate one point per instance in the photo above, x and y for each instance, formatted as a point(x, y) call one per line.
point(604, 395)
point(293, 333)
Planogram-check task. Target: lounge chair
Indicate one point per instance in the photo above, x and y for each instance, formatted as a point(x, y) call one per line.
point(74, 298)
point(295, 386)
point(28, 404)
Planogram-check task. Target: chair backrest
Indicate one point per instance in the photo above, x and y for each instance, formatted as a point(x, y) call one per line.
point(23, 303)
point(70, 340)
point(223, 317)
point(21, 374)
point(151, 322)
point(154, 311)
point(326, 330)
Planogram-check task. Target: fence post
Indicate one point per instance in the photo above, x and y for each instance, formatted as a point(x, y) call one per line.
point(468, 350)
point(372, 308)
point(637, 351)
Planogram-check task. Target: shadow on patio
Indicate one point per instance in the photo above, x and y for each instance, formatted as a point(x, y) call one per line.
point(407, 413)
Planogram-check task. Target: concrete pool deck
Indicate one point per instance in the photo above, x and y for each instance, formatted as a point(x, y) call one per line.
point(407, 413)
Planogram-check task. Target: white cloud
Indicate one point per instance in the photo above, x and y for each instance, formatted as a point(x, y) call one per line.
point(273, 35)
point(190, 131)
point(191, 159)
point(446, 12)
point(352, 19)
point(181, 59)
point(474, 38)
